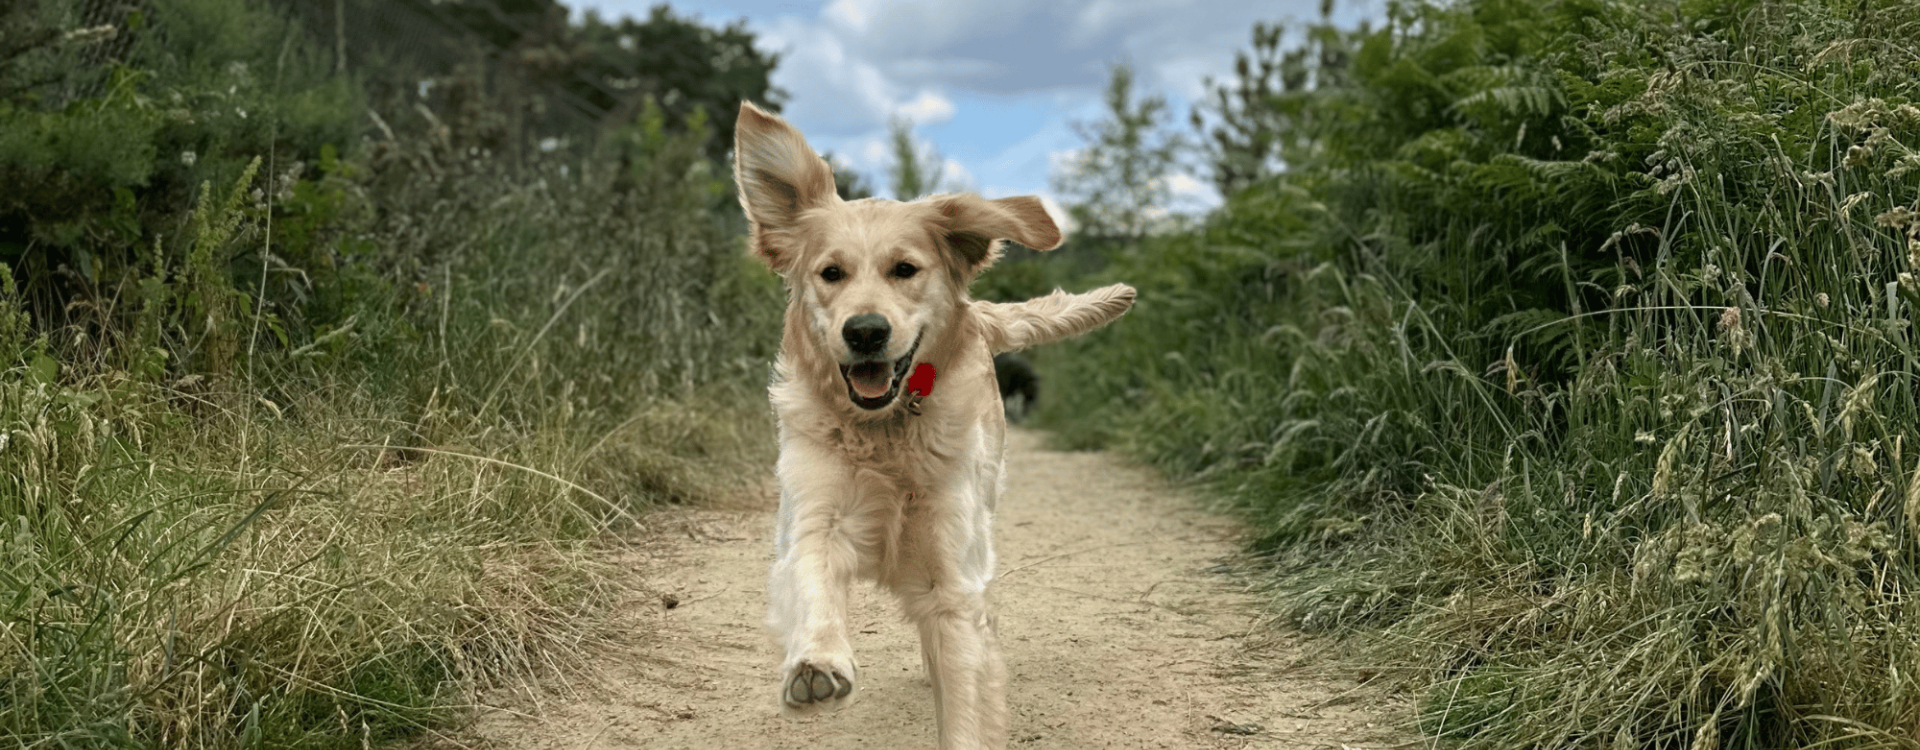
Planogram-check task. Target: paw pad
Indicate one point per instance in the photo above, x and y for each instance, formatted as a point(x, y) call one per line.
point(809, 684)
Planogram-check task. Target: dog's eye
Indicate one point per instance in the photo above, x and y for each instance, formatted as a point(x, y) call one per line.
point(905, 270)
point(832, 274)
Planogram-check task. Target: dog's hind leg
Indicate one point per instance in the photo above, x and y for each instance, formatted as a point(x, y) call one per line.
point(816, 557)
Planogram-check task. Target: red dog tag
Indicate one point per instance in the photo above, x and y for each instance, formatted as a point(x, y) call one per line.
point(921, 381)
point(919, 386)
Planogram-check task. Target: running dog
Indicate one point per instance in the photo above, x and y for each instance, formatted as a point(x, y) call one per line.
point(892, 440)
point(1019, 385)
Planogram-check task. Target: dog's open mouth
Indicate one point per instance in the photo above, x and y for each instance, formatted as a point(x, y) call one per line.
point(874, 384)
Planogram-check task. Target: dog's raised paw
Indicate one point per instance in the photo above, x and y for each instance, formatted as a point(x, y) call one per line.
point(810, 686)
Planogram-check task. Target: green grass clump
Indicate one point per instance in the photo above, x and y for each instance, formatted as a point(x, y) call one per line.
point(1571, 361)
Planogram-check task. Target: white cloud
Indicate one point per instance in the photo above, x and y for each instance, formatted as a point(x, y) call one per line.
point(859, 61)
point(841, 92)
point(927, 109)
point(850, 65)
point(954, 178)
point(1059, 215)
point(1104, 17)
point(1185, 77)
point(1191, 193)
point(874, 153)
point(1064, 159)
point(852, 15)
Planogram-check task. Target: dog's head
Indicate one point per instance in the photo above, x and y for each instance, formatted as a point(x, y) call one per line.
point(872, 281)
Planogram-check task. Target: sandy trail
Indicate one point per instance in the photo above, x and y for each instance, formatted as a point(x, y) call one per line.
point(1118, 628)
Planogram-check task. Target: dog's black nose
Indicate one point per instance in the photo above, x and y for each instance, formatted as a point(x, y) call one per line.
point(866, 334)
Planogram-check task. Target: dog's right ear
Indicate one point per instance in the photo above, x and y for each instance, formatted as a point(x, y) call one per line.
point(779, 177)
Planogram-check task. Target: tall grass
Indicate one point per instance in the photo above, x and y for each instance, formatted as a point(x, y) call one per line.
point(1572, 364)
point(347, 443)
point(345, 546)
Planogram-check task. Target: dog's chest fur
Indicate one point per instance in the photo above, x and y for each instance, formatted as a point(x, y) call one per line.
point(909, 449)
point(915, 484)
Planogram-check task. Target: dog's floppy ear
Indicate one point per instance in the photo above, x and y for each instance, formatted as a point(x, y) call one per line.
point(974, 226)
point(779, 176)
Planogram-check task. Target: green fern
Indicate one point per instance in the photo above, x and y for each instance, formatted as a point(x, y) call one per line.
point(1505, 92)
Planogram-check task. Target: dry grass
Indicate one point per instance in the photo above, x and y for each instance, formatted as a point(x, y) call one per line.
point(338, 542)
point(177, 588)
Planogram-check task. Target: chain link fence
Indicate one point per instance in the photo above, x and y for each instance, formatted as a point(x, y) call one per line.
point(499, 80)
point(496, 76)
point(95, 36)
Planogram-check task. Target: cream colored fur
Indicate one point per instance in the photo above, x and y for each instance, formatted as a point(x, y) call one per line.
point(901, 499)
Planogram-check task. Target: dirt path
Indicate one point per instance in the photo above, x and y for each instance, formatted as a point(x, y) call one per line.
point(1116, 636)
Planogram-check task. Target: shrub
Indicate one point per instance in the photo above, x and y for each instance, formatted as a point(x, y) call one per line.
point(1570, 358)
point(300, 442)
point(187, 97)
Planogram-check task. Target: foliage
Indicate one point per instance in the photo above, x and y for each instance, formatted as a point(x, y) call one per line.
point(212, 306)
point(682, 64)
point(15, 325)
point(1570, 359)
point(1117, 188)
point(1273, 100)
point(200, 91)
point(519, 78)
point(1241, 146)
point(303, 437)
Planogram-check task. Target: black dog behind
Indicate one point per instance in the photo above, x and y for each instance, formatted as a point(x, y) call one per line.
point(1019, 385)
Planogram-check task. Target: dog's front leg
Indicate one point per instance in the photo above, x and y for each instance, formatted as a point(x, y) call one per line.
point(816, 556)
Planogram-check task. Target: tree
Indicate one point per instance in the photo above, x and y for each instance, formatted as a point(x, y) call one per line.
point(522, 70)
point(677, 61)
point(1252, 126)
point(1241, 145)
point(1118, 187)
point(916, 171)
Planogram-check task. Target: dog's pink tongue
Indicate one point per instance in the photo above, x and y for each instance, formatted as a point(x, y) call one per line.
point(870, 379)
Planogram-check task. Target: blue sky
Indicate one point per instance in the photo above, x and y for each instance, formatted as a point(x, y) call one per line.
point(993, 85)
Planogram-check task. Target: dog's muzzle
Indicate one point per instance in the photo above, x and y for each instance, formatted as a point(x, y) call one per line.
point(875, 383)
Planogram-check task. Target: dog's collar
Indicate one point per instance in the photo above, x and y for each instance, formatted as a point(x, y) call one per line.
point(919, 386)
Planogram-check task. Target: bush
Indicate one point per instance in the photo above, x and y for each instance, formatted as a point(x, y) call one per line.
point(304, 439)
point(1571, 358)
point(187, 98)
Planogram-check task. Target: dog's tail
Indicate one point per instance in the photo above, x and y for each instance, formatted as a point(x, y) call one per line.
point(1012, 326)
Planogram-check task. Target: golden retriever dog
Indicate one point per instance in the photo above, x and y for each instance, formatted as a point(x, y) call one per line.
point(892, 438)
